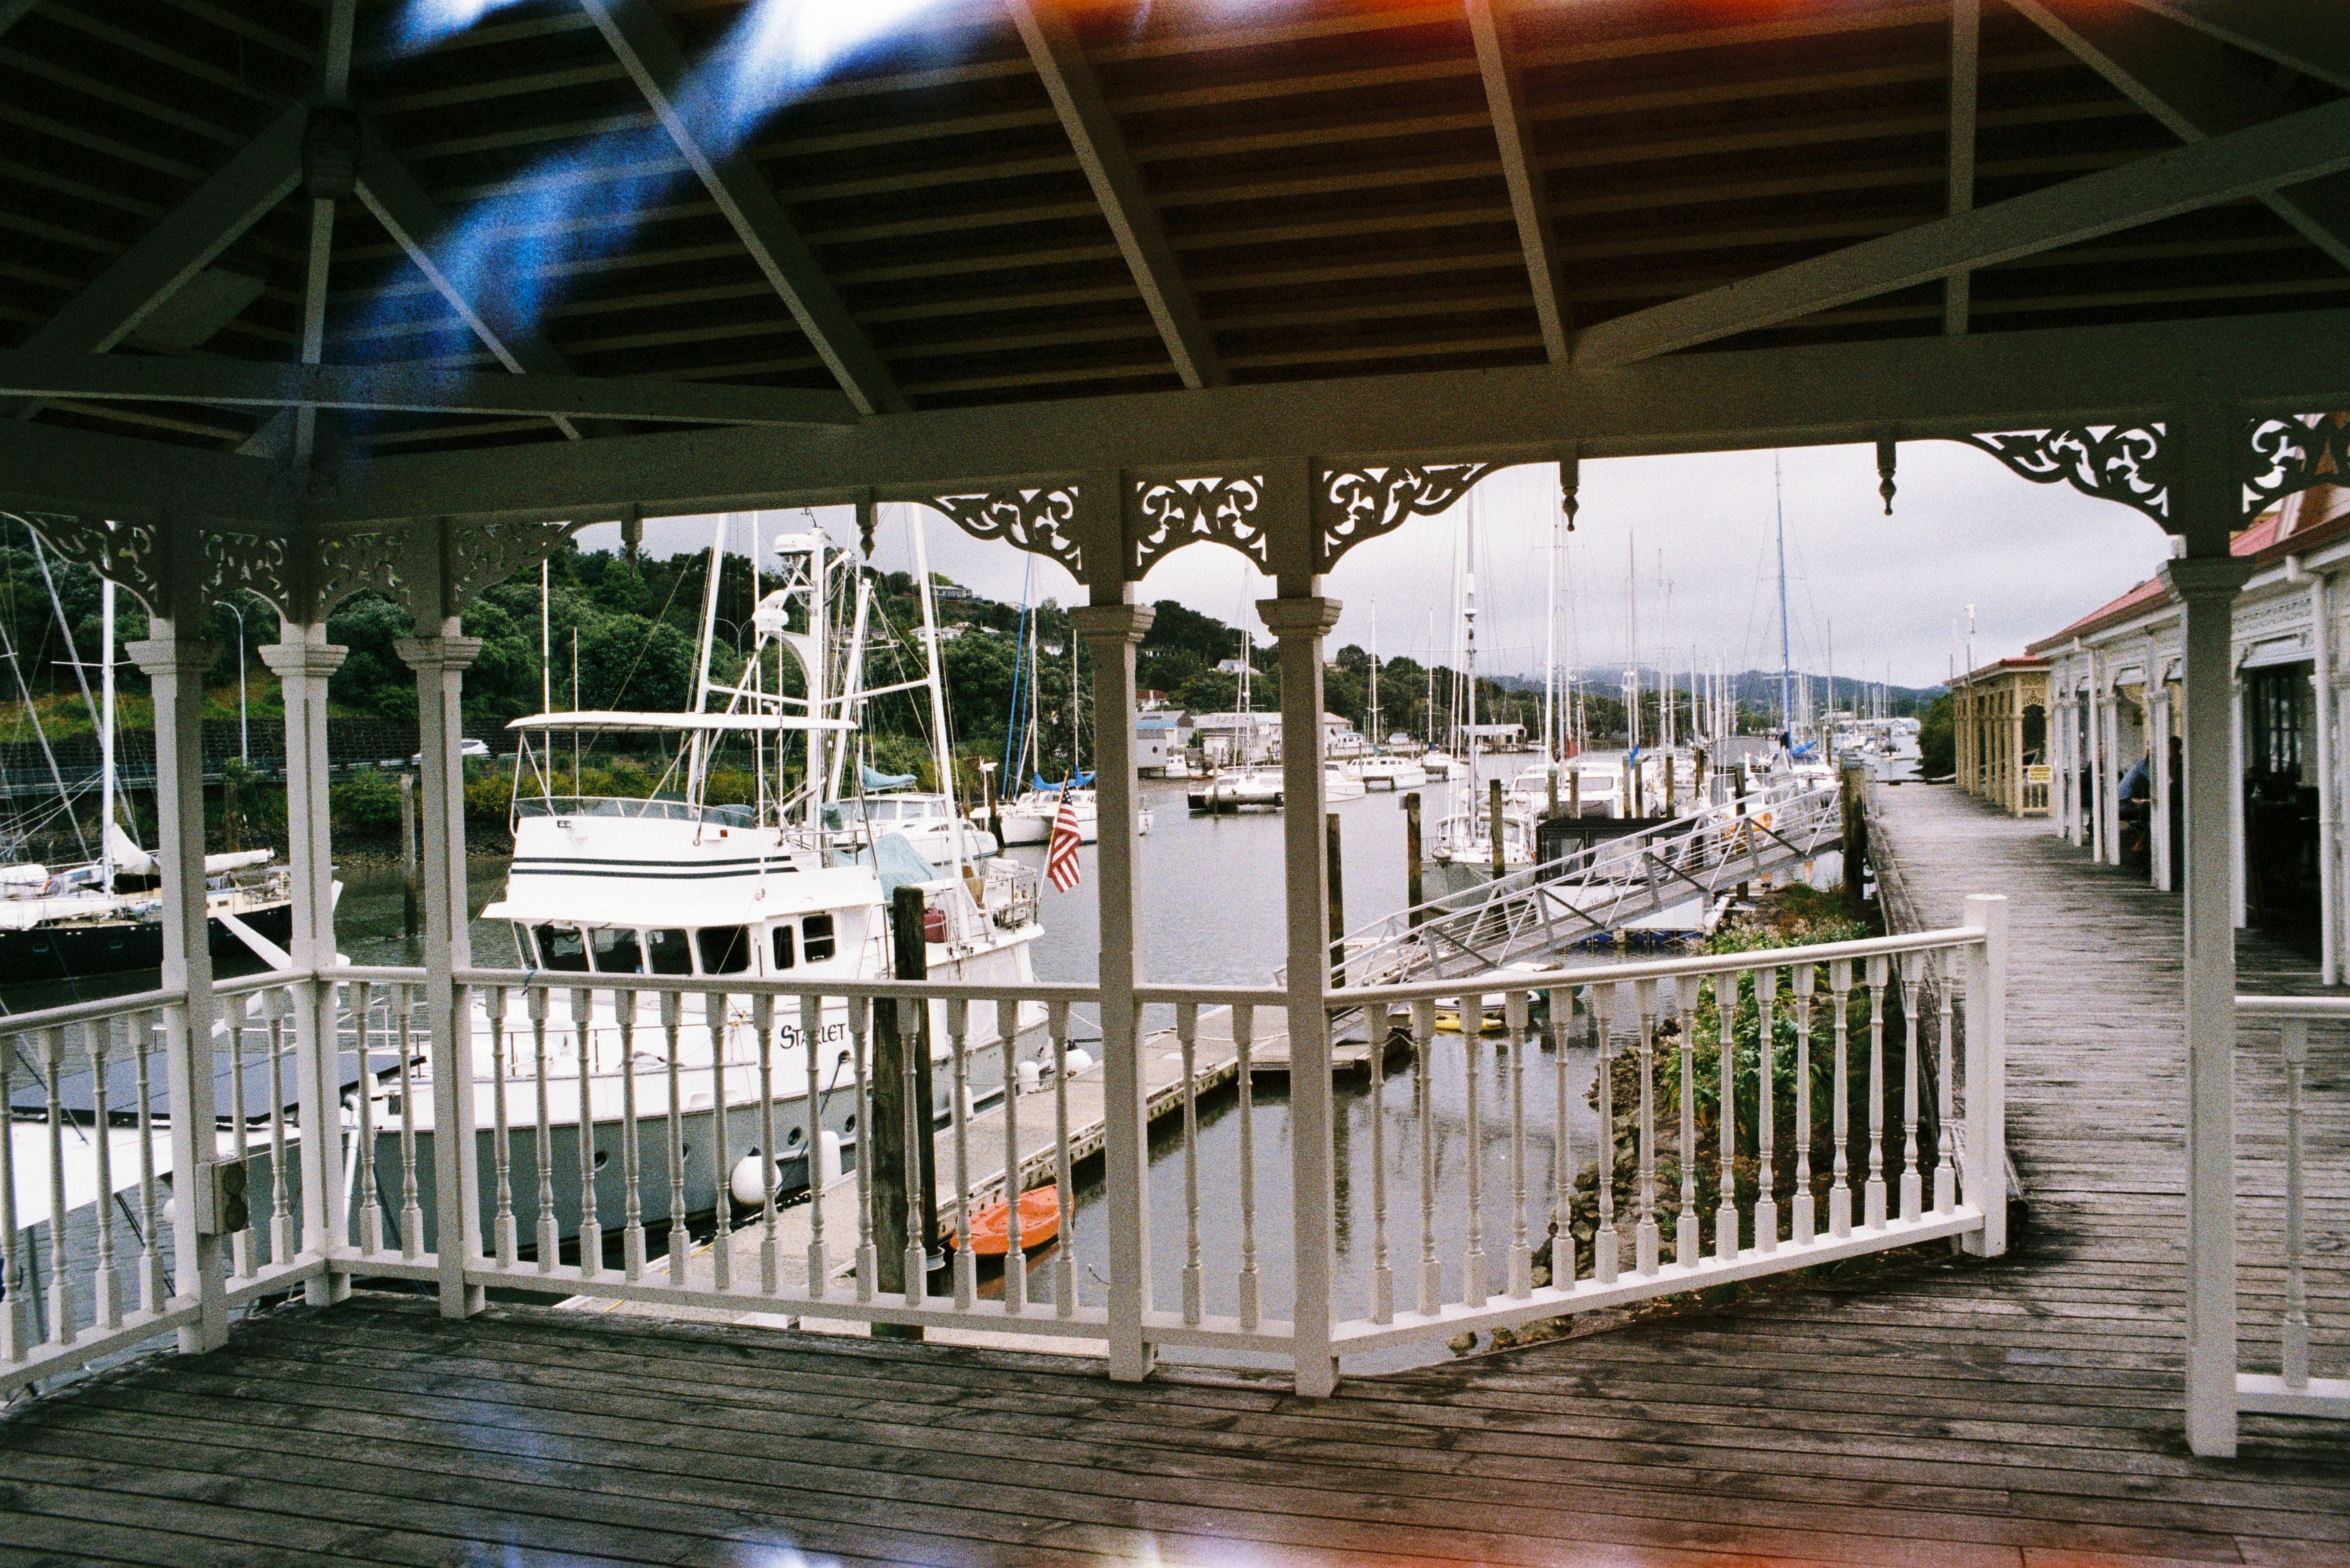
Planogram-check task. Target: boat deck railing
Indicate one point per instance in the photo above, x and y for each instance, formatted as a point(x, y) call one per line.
point(281, 1152)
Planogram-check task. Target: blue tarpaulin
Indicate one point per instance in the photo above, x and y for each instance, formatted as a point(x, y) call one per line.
point(1053, 787)
point(901, 865)
point(874, 781)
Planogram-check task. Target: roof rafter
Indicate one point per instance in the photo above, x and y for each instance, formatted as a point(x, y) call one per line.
point(1966, 82)
point(1522, 170)
point(1100, 145)
point(641, 40)
point(2305, 36)
point(182, 245)
point(399, 389)
point(412, 217)
point(2197, 90)
point(2297, 148)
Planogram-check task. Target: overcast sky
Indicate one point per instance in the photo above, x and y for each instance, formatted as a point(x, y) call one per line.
point(1964, 531)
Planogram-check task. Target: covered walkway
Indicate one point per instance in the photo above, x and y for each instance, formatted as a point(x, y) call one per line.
point(1923, 1409)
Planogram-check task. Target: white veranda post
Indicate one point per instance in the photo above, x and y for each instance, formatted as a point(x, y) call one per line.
point(175, 666)
point(440, 662)
point(2208, 506)
point(1111, 630)
point(303, 661)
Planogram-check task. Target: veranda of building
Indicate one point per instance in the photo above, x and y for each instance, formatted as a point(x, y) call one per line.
point(1106, 282)
point(2000, 722)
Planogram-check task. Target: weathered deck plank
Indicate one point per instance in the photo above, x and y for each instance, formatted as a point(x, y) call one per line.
point(2020, 1414)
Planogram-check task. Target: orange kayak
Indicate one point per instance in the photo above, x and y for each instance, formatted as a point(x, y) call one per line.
point(1040, 1221)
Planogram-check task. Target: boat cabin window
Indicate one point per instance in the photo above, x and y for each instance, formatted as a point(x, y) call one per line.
point(783, 946)
point(726, 949)
point(616, 950)
point(669, 951)
point(561, 947)
point(815, 938)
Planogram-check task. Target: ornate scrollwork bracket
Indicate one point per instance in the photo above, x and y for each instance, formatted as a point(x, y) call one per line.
point(2294, 451)
point(1173, 513)
point(130, 553)
point(2112, 463)
point(1040, 520)
point(1352, 504)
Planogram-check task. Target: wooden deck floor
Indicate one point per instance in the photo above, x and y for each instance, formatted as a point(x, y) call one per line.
point(2023, 1413)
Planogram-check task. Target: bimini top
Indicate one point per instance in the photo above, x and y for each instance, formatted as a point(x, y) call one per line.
point(606, 719)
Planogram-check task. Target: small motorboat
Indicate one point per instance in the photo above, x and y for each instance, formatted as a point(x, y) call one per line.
point(1040, 1222)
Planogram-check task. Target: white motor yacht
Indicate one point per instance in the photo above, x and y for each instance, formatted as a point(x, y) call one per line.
point(928, 821)
point(1388, 771)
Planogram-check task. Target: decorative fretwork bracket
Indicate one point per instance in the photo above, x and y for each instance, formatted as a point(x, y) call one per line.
point(130, 553)
point(1172, 512)
point(1041, 520)
point(2292, 453)
point(2280, 455)
point(2112, 463)
point(1352, 504)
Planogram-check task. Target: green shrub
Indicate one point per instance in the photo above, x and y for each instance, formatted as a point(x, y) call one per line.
point(366, 802)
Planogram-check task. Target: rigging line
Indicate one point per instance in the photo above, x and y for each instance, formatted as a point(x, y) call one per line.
point(73, 654)
point(8, 650)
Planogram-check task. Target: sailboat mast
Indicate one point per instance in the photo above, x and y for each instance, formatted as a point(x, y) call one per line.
point(1631, 643)
point(1375, 675)
point(106, 732)
point(1786, 653)
point(940, 749)
point(1550, 652)
point(1076, 711)
point(1469, 644)
point(545, 641)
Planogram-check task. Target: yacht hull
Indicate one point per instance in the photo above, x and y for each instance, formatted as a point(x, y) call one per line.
point(80, 951)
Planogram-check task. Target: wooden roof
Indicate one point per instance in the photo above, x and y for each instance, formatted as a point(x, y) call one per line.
point(994, 203)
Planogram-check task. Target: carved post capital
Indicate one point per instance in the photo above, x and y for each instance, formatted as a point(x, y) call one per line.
point(1303, 616)
point(317, 660)
point(432, 655)
point(1112, 624)
point(2206, 576)
point(158, 658)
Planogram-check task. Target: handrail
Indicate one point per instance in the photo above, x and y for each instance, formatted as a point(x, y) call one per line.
point(1654, 969)
point(84, 1011)
point(2292, 1006)
point(704, 984)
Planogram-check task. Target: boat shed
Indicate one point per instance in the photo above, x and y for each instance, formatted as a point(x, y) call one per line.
point(1999, 724)
point(313, 297)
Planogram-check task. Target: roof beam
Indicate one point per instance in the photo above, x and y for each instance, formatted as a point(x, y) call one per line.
point(186, 242)
point(2305, 36)
point(1522, 171)
point(640, 38)
point(14, 11)
point(2297, 148)
point(1100, 144)
point(395, 390)
point(57, 467)
point(1912, 387)
point(1966, 81)
point(417, 224)
point(2198, 88)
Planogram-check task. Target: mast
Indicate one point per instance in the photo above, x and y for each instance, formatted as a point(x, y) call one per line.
point(1076, 711)
point(1632, 644)
point(1550, 652)
point(1786, 655)
point(939, 747)
point(545, 641)
point(106, 732)
point(1469, 643)
point(1428, 719)
point(1375, 675)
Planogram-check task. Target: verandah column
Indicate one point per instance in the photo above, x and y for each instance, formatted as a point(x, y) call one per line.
point(440, 662)
point(303, 661)
point(2207, 505)
point(2157, 751)
point(175, 666)
point(1299, 619)
point(1111, 626)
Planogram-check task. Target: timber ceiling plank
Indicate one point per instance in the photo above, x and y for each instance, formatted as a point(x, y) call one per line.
point(1506, 99)
point(1099, 143)
point(641, 40)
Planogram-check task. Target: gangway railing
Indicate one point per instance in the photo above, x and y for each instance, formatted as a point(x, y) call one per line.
point(1542, 910)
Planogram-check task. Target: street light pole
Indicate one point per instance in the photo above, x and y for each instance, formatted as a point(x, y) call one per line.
point(244, 730)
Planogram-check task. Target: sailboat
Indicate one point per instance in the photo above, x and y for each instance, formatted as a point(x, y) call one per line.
point(106, 916)
point(787, 887)
point(1250, 785)
point(1464, 835)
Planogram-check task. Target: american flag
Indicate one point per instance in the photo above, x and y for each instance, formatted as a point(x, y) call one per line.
point(1061, 859)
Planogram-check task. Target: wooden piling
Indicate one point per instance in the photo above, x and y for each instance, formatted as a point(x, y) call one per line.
point(1855, 837)
point(411, 860)
point(1499, 860)
point(1411, 861)
point(1575, 794)
point(910, 960)
point(1338, 900)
